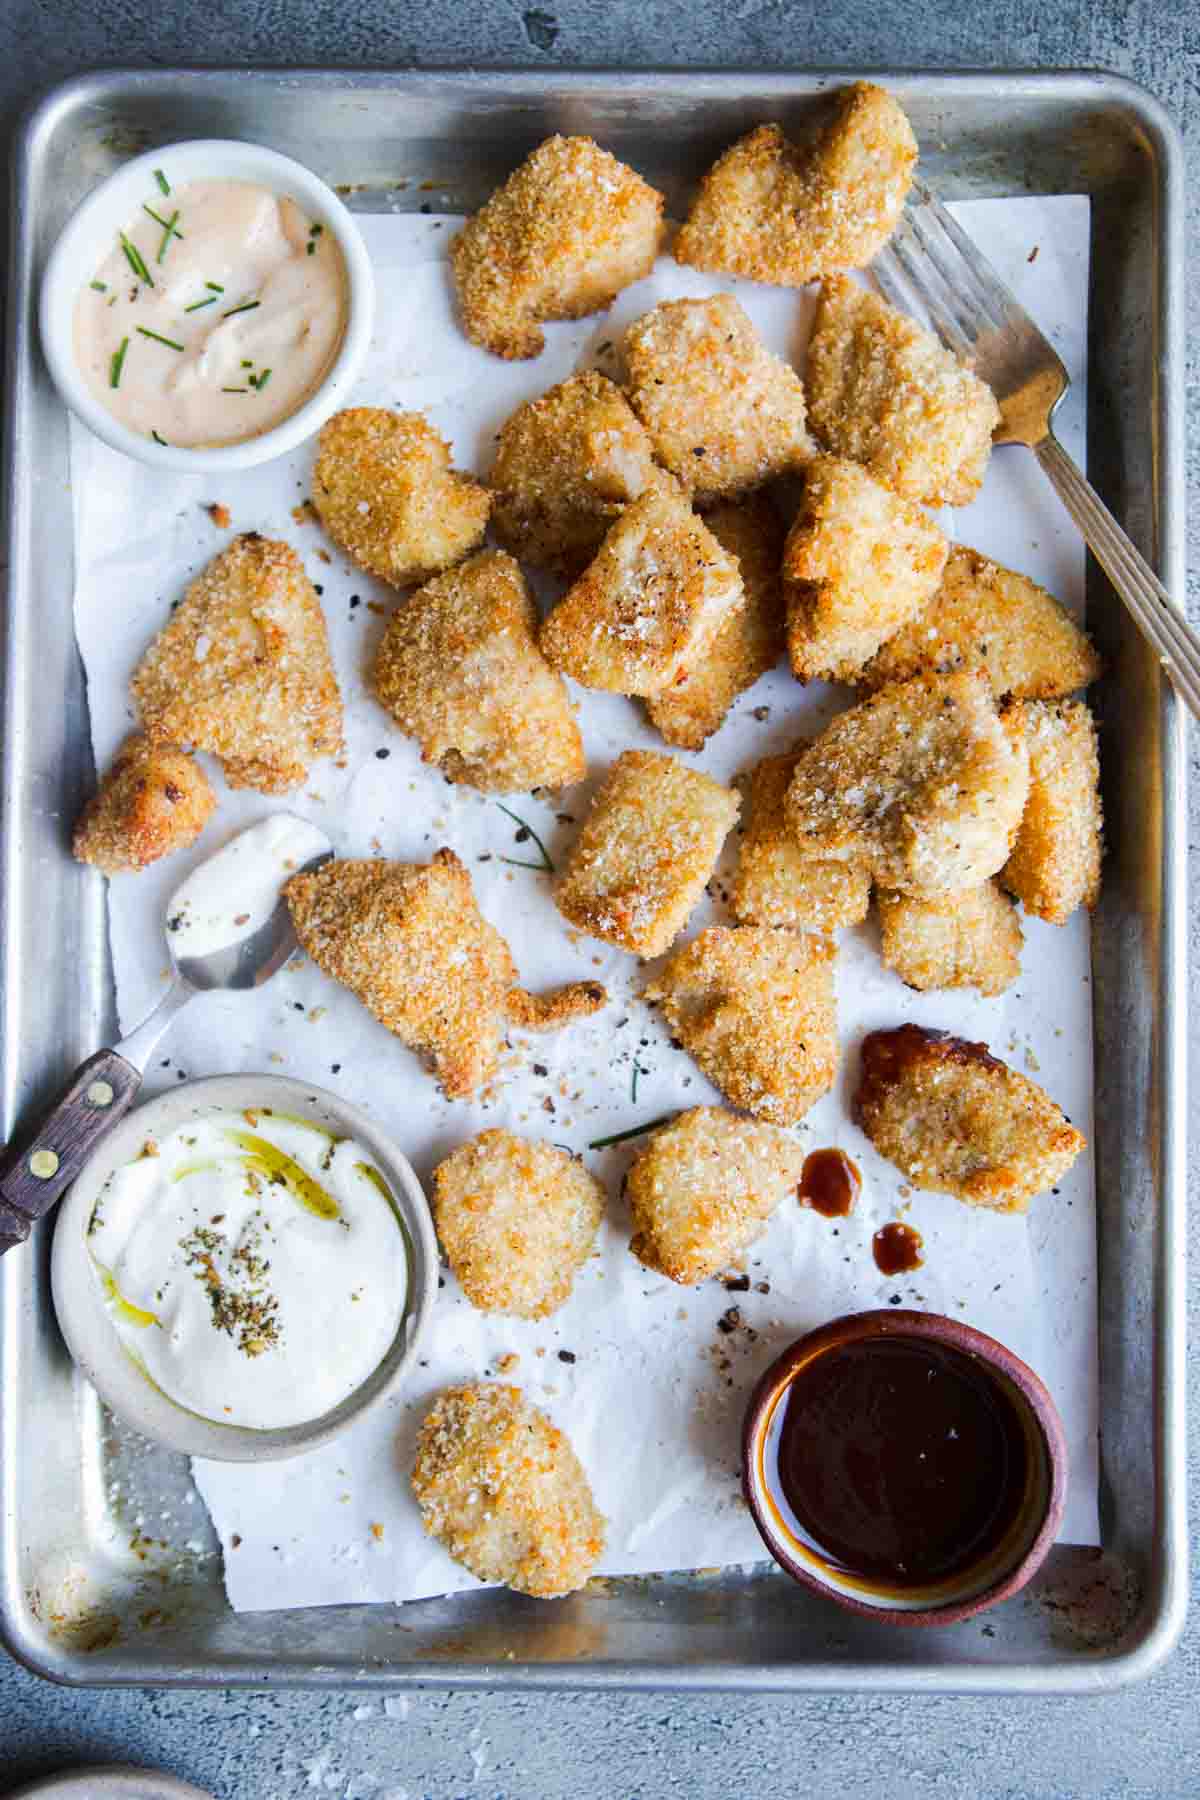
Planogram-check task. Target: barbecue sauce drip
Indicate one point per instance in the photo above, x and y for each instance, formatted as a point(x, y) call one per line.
point(896, 1248)
point(903, 1462)
point(829, 1183)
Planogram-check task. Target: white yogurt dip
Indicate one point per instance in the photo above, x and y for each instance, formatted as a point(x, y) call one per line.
point(215, 315)
point(232, 894)
point(254, 1266)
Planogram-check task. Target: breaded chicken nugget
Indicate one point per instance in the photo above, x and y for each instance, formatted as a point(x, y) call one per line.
point(858, 563)
point(776, 882)
point(883, 391)
point(567, 231)
point(459, 669)
point(924, 781)
point(748, 644)
point(517, 1220)
point(989, 617)
point(501, 1489)
point(971, 938)
point(657, 593)
point(1055, 862)
point(755, 1006)
point(386, 493)
point(153, 800)
point(723, 414)
point(791, 212)
point(648, 845)
point(957, 1121)
point(242, 669)
point(566, 464)
point(409, 940)
point(704, 1188)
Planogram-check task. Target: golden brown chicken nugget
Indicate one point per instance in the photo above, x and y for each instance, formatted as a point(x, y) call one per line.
point(652, 600)
point(790, 212)
point(517, 1220)
point(971, 938)
point(567, 463)
point(459, 669)
point(565, 233)
point(989, 617)
point(242, 669)
point(386, 493)
point(153, 800)
point(777, 883)
point(723, 414)
point(957, 1121)
point(648, 845)
point(924, 781)
point(501, 1489)
point(884, 392)
point(755, 1006)
point(703, 1189)
point(859, 562)
point(1055, 863)
point(748, 644)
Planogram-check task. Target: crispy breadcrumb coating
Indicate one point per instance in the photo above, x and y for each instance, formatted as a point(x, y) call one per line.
point(755, 1006)
point(648, 845)
point(517, 1220)
point(651, 602)
point(153, 800)
point(971, 938)
point(703, 1189)
point(884, 391)
point(748, 644)
point(386, 494)
point(859, 562)
point(565, 466)
point(776, 882)
point(409, 940)
point(788, 212)
point(924, 781)
point(957, 1121)
point(723, 414)
point(459, 669)
point(501, 1489)
point(1055, 863)
point(565, 233)
point(242, 669)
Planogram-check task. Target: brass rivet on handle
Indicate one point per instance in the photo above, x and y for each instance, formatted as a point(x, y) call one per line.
point(43, 1164)
point(101, 1093)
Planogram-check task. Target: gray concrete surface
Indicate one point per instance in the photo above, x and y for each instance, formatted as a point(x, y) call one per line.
point(272, 1747)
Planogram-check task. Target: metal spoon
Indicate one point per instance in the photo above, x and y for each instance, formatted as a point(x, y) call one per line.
point(242, 953)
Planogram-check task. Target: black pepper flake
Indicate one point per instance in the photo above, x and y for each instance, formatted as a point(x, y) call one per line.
point(317, 588)
point(425, 207)
point(181, 1074)
point(699, 450)
point(893, 1299)
point(383, 755)
point(355, 600)
point(730, 1321)
point(540, 1069)
point(235, 1542)
point(335, 1068)
point(298, 1005)
point(484, 856)
point(567, 1356)
point(441, 1281)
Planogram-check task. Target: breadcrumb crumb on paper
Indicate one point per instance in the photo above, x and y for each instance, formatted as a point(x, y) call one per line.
point(153, 800)
point(500, 1487)
point(958, 1121)
point(969, 938)
point(704, 1188)
point(778, 883)
point(884, 392)
point(1055, 862)
point(565, 233)
point(789, 212)
point(242, 669)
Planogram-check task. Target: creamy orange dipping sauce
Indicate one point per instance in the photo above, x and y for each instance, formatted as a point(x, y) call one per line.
point(214, 317)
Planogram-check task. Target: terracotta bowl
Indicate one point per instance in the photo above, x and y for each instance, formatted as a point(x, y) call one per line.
point(1004, 1568)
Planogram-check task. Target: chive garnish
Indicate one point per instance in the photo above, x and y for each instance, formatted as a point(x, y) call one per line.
point(117, 364)
point(159, 339)
point(637, 1070)
point(545, 866)
point(235, 390)
point(136, 261)
point(247, 362)
point(170, 229)
point(197, 304)
point(159, 440)
point(101, 287)
point(311, 246)
point(620, 1137)
point(260, 381)
point(246, 306)
point(164, 186)
point(315, 230)
point(215, 286)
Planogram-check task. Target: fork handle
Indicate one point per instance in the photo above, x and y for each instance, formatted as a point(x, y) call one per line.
point(1174, 642)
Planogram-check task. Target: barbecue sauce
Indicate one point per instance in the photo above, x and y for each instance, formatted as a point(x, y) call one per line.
point(829, 1183)
point(896, 1248)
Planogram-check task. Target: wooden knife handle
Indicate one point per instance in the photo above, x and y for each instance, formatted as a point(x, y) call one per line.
point(37, 1174)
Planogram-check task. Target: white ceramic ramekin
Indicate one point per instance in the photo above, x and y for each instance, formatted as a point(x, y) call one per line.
point(88, 237)
point(83, 1313)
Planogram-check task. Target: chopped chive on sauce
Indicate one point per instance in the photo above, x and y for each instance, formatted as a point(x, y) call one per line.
point(247, 363)
point(215, 287)
point(136, 261)
point(117, 364)
point(100, 287)
point(164, 186)
point(260, 381)
point(314, 232)
point(246, 306)
point(211, 300)
point(159, 440)
point(170, 229)
point(159, 339)
point(225, 390)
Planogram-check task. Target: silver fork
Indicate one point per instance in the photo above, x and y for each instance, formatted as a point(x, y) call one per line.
point(976, 316)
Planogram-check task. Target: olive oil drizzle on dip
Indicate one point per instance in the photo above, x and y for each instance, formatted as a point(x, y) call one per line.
point(215, 315)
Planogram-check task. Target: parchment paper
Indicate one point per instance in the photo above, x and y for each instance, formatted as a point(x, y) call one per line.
point(640, 1372)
